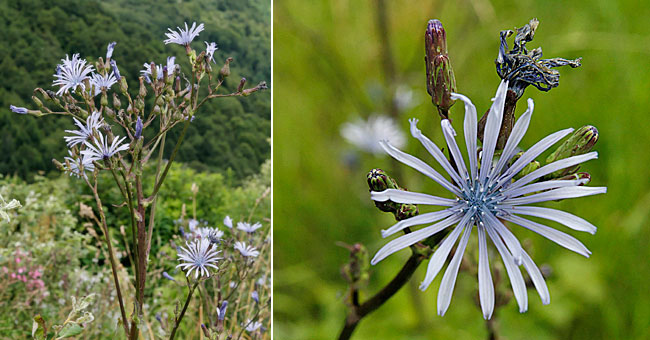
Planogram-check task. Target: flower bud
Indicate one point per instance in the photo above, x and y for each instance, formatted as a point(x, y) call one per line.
point(440, 75)
point(206, 331)
point(117, 104)
point(378, 180)
point(143, 89)
point(138, 128)
point(37, 102)
point(242, 82)
point(225, 70)
point(578, 143)
point(124, 86)
point(356, 270)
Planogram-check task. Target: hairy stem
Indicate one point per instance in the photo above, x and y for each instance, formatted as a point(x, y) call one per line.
point(111, 256)
point(180, 317)
point(358, 313)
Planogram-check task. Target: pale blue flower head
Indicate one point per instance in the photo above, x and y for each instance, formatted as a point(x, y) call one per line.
point(484, 197)
point(102, 149)
point(183, 36)
point(102, 82)
point(209, 50)
point(109, 50)
point(197, 257)
point(71, 74)
point(79, 165)
point(20, 110)
point(255, 296)
point(227, 221)
point(252, 326)
point(246, 250)
point(85, 132)
point(171, 68)
point(247, 227)
point(366, 134)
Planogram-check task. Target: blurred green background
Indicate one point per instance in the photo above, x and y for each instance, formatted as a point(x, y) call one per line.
point(332, 65)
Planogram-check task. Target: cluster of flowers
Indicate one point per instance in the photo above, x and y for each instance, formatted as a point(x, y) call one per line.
point(20, 270)
point(75, 75)
point(207, 248)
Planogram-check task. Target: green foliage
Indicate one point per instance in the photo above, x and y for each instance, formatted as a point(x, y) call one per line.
point(332, 55)
point(48, 237)
point(35, 35)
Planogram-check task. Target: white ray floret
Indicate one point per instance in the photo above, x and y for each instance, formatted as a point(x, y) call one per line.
point(198, 256)
point(246, 250)
point(71, 74)
point(183, 36)
point(485, 195)
point(85, 132)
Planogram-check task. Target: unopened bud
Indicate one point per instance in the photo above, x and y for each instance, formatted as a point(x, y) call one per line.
point(124, 86)
point(117, 104)
point(104, 100)
point(440, 75)
point(378, 180)
point(225, 70)
point(138, 128)
point(356, 270)
point(578, 143)
point(206, 331)
point(178, 84)
point(58, 165)
point(143, 89)
point(242, 82)
point(154, 71)
point(37, 102)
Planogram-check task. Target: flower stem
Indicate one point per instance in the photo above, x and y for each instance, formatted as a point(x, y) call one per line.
point(359, 312)
point(180, 317)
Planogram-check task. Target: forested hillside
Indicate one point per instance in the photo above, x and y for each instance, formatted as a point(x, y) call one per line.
point(232, 133)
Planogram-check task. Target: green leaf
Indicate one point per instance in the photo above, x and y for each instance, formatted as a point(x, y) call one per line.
point(69, 330)
point(39, 331)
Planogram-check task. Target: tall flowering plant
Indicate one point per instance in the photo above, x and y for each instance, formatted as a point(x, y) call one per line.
point(492, 191)
point(107, 136)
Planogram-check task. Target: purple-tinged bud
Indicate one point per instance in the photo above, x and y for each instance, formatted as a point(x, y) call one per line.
point(138, 128)
point(154, 71)
point(158, 317)
point(20, 110)
point(178, 84)
point(242, 82)
point(440, 75)
point(379, 181)
point(255, 296)
point(578, 143)
point(168, 277)
point(221, 312)
point(182, 231)
point(109, 50)
point(206, 331)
